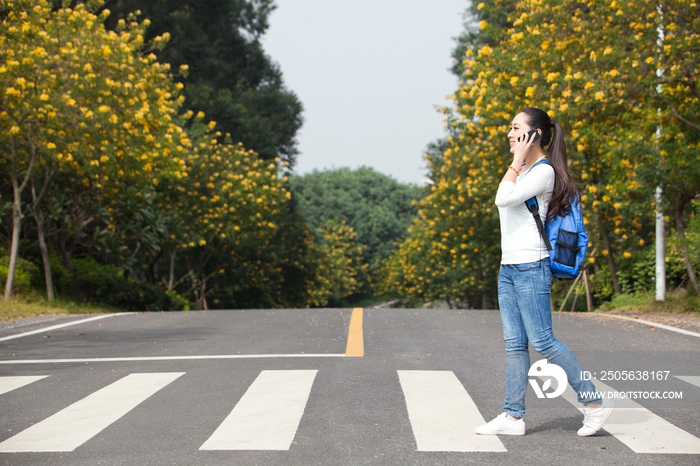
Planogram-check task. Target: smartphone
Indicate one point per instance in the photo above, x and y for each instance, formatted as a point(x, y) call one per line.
point(537, 135)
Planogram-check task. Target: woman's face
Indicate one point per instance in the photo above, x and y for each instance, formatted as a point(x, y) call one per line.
point(518, 128)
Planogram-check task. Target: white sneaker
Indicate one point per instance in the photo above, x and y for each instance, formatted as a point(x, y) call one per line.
point(501, 425)
point(593, 419)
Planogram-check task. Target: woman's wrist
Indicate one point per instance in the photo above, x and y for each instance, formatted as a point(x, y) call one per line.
point(518, 162)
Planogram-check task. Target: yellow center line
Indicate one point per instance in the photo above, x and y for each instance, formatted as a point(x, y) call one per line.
point(356, 343)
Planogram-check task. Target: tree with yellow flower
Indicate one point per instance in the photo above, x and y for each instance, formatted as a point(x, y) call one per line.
point(229, 200)
point(343, 271)
point(83, 102)
point(623, 95)
point(617, 73)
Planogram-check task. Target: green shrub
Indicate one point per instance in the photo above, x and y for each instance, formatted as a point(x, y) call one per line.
point(601, 285)
point(28, 275)
point(92, 282)
point(677, 301)
point(636, 274)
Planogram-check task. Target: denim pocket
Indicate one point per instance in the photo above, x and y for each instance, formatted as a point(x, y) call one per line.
point(526, 267)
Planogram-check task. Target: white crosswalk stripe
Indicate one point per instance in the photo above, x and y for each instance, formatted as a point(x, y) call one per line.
point(640, 429)
point(695, 380)
point(79, 422)
point(268, 414)
point(7, 384)
point(442, 414)
point(440, 411)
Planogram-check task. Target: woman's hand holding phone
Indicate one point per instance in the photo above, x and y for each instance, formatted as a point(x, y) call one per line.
point(523, 144)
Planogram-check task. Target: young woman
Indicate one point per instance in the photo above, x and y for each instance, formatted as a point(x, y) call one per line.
point(525, 279)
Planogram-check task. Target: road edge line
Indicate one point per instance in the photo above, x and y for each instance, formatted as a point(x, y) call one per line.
point(55, 327)
point(654, 324)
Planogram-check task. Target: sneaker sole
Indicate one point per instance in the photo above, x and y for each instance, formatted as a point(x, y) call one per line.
point(502, 433)
point(605, 418)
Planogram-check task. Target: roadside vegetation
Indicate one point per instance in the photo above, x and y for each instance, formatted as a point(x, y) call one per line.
point(148, 153)
point(677, 302)
point(147, 150)
point(621, 78)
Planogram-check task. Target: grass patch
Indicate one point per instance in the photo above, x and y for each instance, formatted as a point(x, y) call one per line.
point(32, 306)
point(677, 302)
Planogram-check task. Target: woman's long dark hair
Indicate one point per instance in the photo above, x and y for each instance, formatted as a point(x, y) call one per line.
point(564, 186)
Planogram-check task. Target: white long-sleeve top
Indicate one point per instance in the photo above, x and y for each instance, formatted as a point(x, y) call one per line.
point(520, 240)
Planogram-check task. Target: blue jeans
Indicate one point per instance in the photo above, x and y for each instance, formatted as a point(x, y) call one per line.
point(526, 315)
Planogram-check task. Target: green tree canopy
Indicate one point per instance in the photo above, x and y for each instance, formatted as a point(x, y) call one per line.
point(230, 78)
point(377, 207)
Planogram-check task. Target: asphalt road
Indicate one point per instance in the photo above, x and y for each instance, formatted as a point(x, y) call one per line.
point(328, 387)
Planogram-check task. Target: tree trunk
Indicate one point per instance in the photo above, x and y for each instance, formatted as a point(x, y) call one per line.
point(16, 213)
point(171, 273)
point(589, 296)
point(680, 229)
point(65, 256)
point(203, 294)
point(41, 233)
point(14, 245)
point(39, 218)
point(611, 262)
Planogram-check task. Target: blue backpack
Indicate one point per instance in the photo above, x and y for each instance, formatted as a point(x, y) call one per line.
point(568, 235)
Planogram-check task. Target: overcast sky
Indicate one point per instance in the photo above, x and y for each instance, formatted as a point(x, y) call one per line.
point(369, 74)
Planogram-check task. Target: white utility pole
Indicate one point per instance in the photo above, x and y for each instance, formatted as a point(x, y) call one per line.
point(660, 249)
point(660, 224)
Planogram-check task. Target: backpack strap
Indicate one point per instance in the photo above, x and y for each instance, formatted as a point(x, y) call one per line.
point(534, 209)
